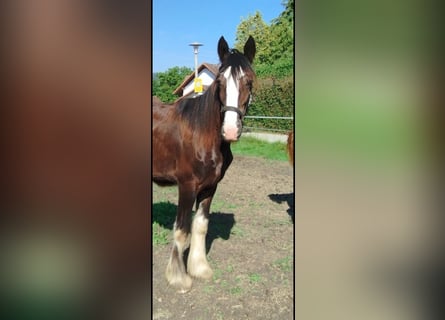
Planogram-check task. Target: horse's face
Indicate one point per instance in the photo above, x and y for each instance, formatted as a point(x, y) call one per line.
point(235, 86)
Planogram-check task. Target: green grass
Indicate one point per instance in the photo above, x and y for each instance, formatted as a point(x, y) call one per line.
point(237, 231)
point(236, 290)
point(254, 277)
point(217, 273)
point(218, 205)
point(248, 146)
point(285, 264)
point(230, 268)
point(161, 236)
point(209, 289)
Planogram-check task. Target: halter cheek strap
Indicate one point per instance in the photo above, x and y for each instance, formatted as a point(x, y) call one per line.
point(237, 110)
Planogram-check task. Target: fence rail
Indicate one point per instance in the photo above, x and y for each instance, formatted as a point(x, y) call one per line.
point(260, 128)
point(267, 117)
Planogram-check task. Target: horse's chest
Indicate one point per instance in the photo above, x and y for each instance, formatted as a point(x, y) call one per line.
point(208, 165)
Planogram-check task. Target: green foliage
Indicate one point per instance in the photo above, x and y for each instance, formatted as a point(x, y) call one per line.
point(281, 68)
point(282, 36)
point(288, 14)
point(274, 65)
point(275, 42)
point(255, 26)
point(164, 83)
point(272, 97)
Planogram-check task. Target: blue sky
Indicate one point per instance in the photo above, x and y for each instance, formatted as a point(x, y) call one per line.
point(176, 23)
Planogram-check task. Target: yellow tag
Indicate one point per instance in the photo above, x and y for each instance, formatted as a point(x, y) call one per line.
point(198, 85)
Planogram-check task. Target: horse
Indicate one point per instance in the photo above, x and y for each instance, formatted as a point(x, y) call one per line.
point(290, 147)
point(191, 149)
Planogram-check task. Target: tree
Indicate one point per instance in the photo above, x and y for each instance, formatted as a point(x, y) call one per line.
point(288, 13)
point(164, 83)
point(254, 26)
point(282, 34)
point(275, 42)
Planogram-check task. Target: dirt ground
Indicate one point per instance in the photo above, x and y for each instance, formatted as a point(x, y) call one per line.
point(250, 248)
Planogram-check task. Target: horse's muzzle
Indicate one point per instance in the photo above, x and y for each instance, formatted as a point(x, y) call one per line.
point(230, 135)
point(231, 132)
point(232, 124)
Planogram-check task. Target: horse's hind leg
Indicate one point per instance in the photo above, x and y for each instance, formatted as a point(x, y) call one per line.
point(175, 273)
point(197, 264)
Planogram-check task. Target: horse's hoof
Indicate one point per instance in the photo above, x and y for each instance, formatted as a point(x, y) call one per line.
point(182, 282)
point(202, 271)
point(185, 285)
point(183, 290)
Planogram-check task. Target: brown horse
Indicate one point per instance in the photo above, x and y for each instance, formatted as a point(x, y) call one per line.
point(191, 149)
point(290, 147)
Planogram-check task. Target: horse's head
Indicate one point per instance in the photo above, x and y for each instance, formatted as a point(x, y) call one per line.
point(235, 82)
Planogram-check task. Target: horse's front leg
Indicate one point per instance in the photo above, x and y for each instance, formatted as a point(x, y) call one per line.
point(176, 274)
point(197, 264)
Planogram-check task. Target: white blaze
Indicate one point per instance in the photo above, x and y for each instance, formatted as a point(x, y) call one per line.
point(231, 117)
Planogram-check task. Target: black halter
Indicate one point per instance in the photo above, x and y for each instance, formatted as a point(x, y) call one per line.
point(229, 108)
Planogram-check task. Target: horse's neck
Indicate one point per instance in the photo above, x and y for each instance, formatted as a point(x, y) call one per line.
point(213, 105)
point(206, 123)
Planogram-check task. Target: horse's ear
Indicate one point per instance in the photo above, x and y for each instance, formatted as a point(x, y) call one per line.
point(250, 49)
point(223, 49)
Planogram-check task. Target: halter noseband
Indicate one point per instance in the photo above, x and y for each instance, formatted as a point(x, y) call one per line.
point(229, 108)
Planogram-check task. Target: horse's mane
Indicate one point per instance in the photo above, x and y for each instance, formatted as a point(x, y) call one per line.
point(199, 111)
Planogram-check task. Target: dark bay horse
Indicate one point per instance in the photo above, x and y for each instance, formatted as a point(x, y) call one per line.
point(290, 147)
point(191, 148)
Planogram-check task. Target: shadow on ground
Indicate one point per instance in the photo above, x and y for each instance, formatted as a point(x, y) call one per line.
point(285, 197)
point(164, 213)
point(220, 224)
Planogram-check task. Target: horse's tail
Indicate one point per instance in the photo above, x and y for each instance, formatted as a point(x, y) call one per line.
point(290, 147)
